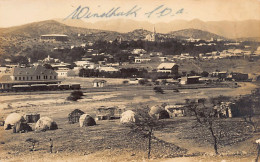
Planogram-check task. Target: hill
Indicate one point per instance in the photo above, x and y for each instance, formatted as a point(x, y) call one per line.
point(196, 34)
point(36, 29)
point(136, 34)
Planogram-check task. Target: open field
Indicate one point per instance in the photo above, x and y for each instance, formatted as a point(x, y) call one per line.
point(110, 141)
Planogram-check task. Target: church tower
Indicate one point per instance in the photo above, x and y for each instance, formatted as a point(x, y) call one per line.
point(154, 35)
point(151, 37)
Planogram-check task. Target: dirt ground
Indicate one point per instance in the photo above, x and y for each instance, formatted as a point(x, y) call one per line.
point(109, 140)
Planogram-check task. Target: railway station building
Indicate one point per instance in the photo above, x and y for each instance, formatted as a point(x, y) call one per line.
point(27, 76)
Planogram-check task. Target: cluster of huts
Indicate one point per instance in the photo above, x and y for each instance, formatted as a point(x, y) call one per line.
point(20, 123)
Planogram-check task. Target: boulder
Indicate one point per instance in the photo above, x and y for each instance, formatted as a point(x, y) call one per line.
point(45, 123)
point(128, 117)
point(86, 120)
point(13, 119)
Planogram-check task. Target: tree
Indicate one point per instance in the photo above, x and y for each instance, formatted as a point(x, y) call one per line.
point(247, 106)
point(145, 125)
point(206, 117)
point(20, 59)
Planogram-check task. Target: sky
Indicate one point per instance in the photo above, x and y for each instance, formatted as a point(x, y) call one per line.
point(18, 12)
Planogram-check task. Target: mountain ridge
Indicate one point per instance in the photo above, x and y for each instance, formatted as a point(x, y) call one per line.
point(225, 28)
point(36, 29)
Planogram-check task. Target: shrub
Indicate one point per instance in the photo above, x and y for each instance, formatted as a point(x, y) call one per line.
point(142, 81)
point(158, 90)
point(75, 95)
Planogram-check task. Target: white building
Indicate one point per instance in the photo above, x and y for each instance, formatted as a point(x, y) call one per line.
point(107, 69)
point(85, 64)
point(168, 68)
point(142, 59)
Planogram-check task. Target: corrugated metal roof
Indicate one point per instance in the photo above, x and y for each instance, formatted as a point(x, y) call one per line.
point(54, 35)
point(166, 65)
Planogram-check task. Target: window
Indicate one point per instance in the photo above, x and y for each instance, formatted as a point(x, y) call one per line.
point(15, 78)
point(19, 78)
point(31, 78)
point(27, 78)
point(23, 78)
point(50, 77)
point(54, 77)
point(39, 77)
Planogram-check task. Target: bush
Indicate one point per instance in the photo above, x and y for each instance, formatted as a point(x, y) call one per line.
point(143, 81)
point(204, 74)
point(158, 90)
point(75, 95)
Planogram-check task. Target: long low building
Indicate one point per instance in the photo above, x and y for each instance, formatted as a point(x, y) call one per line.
point(55, 37)
point(27, 76)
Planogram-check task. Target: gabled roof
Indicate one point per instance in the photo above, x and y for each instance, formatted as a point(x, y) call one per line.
point(166, 65)
point(35, 70)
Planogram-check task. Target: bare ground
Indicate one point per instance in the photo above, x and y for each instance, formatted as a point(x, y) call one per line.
point(109, 141)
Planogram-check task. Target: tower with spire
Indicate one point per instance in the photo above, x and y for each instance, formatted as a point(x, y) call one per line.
point(152, 37)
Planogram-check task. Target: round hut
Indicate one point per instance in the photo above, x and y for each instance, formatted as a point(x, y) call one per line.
point(86, 120)
point(45, 123)
point(128, 117)
point(13, 119)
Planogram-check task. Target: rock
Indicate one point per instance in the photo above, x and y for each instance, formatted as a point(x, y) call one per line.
point(128, 117)
point(86, 120)
point(45, 123)
point(13, 119)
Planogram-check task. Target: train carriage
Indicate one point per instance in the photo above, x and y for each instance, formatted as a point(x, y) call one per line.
point(64, 86)
point(22, 88)
point(39, 87)
point(75, 86)
point(52, 87)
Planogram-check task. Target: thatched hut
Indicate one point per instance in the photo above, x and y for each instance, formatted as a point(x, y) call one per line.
point(13, 119)
point(128, 117)
point(45, 123)
point(74, 116)
point(86, 120)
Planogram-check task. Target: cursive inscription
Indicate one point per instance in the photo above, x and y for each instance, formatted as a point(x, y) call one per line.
point(86, 13)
